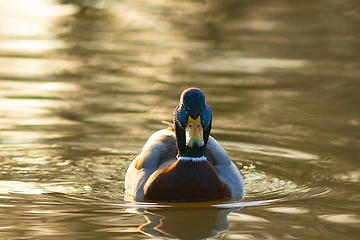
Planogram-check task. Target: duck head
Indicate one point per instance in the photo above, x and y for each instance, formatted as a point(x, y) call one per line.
point(192, 121)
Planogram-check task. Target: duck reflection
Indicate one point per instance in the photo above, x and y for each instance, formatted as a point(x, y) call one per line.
point(185, 221)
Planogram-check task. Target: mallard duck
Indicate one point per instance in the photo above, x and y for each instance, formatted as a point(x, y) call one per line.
point(183, 162)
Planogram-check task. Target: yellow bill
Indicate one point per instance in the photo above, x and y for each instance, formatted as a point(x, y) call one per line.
point(194, 133)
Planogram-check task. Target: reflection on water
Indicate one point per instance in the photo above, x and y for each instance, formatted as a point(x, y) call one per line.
point(185, 223)
point(83, 84)
point(191, 220)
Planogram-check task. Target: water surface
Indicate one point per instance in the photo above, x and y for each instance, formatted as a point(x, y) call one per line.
point(83, 84)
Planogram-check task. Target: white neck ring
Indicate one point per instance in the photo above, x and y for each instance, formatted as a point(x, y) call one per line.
point(193, 159)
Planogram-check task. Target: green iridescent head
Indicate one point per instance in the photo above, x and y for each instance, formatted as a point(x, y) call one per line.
point(192, 119)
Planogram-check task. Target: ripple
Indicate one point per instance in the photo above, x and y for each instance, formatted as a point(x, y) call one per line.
point(241, 217)
point(225, 205)
point(350, 176)
point(249, 65)
point(38, 188)
point(35, 66)
point(269, 151)
point(245, 204)
point(288, 210)
point(341, 218)
point(261, 184)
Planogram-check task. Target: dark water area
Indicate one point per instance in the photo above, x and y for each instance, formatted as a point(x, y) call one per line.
point(84, 83)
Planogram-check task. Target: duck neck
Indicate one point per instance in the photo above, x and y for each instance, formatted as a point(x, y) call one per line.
point(188, 152)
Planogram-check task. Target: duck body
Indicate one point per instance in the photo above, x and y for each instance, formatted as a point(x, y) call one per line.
point(184, 163)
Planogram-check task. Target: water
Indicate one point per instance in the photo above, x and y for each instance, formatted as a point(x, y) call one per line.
point(83, 84)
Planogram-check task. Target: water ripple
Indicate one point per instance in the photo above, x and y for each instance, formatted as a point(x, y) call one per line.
point(269, 151)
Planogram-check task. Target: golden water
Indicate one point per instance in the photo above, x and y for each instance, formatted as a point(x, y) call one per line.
point(83, 84)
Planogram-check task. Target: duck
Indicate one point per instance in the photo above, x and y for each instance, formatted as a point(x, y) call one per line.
point(183, 162)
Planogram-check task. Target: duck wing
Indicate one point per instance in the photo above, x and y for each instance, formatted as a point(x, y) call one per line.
point(158, 152)
point(225, 168)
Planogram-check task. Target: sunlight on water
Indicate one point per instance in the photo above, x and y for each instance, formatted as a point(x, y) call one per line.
point(35, 89)
point(270, 151)
point(83, 84)
point(248, 65)
point(16, 137)
point(256, 25)
point(28, 67)
point(288, 210)
point(28, 46)
point(351, 176)
point(7, 187)
point(341, 218)
point(240, 217)
point(25, 103)
point(32, 17)
point(32, 112)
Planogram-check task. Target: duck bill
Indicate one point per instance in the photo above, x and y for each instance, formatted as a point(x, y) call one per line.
point(194, 133)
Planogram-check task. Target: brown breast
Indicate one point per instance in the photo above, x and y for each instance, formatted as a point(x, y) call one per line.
point(186, 181)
